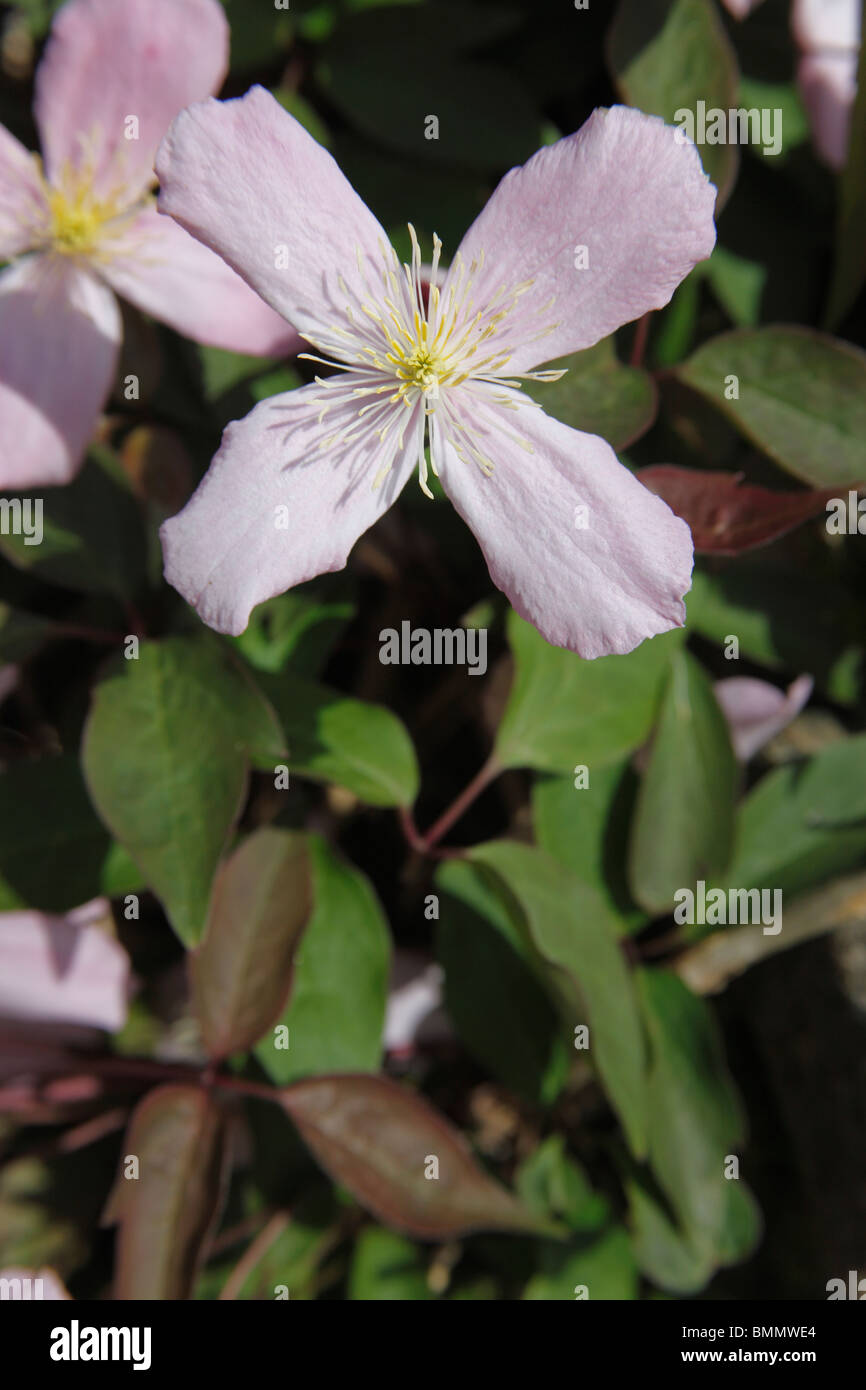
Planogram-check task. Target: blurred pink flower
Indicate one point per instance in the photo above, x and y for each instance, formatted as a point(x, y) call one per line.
point(63, 969)
point(415, 1015)
point(756, 710)
point(592, 232)
point(85, 224)
point(828, 34)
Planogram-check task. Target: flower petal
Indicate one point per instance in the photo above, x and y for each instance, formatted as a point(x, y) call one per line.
point(828, 87)
point(626, 188)
point(63, 969)
point(105, 62)
point(826, 24)
point(756, 710)
point(233, 547)
point(170, 275)
point(596, 581)
point(246, 179)
point(59, 337)
point(22, 200)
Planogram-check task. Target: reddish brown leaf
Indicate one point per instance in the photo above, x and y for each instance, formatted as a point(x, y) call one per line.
point(167, 1211)
point(379, 1140)
point(242, 970)
point(727, 517)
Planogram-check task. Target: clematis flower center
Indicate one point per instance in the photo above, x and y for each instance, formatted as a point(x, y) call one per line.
point(405, 348)
point(79, 222)
point(75, 223)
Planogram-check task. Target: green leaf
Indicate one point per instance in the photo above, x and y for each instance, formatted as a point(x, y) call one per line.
point(335, 738)
point(784, 616)
point(738, 284)
point(563, 711)
point(92, 534)
point(378, 1139)
point(553, 1184)
point(666, 56)
point(802, 397)
point(165, 1215)
point(832, 789)
point(293, 629)
point(696, 1123)
point(166, 753)
point(663, 1252)
point(787, 835)
point(603, 1270)
point(386, 1265)
point(336, 1011)
point(600, 395)
point(240, 973)
point(510, 1026)
point(54, 853)
point(684, 823)
point(586, 829)
point(572, 929)
point(850, 268)
point(370, 71)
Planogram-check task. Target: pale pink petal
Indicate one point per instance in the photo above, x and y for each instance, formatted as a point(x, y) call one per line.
point(595, 588)
point(107, 60)
point(59, 336)
point(415, 1015)
point(826, 25)
point(170, 275)
point(627, 189)
point(23, 208)
point(828, 86)
point(246, 179)
point(63, 969)
point(756, 710)
point(38, 1284)
point(276, 508)
point(740, 9)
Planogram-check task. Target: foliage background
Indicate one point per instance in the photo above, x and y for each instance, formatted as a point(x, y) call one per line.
point(617, 1155)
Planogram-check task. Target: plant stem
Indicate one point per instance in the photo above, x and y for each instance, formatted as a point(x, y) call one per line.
point(470, 793)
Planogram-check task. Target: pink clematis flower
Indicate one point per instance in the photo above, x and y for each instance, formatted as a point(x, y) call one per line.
point(756, 711)
point(85, 225)
point(828, 33)
point(295, 483)
point(63, 969)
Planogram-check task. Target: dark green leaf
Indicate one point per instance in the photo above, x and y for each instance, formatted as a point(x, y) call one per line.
point(684, 823)
point(563, 711)
point(572, 929)
point(166, 752)
point(336, 1012)
point(334, 738)
point(666, 56)
point(511, 1025)
point(802, 397)
point(93, 537)
point(600, 395)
